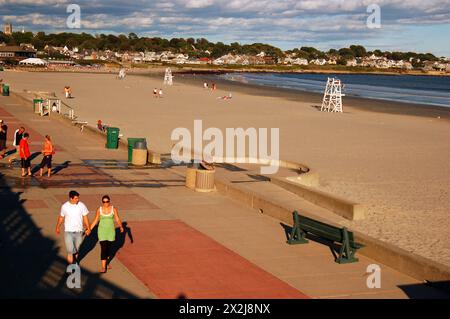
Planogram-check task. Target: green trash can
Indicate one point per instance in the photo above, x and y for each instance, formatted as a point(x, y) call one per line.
point(112, 138)
point(35, 103)
point(1, 68)
point(131, 142)
point(5, 90)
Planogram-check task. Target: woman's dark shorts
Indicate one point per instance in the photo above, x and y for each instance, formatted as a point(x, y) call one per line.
point(47, 161)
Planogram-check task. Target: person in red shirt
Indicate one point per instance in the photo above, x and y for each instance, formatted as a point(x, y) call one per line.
point(24, 151)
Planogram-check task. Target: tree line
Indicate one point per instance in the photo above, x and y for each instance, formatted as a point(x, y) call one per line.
point(198, 48)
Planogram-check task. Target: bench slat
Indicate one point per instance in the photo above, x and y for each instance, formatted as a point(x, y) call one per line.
point(320, 229)
point(326, 231)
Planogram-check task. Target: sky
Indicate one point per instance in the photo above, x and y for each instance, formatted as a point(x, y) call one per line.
point(404, 25)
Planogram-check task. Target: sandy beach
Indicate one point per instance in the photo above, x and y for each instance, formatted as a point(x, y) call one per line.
point(392, 157)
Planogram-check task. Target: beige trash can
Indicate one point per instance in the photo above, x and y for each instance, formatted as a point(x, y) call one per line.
point(139, 157)
point(204, 181)
point(154, 158)
point(191, 174)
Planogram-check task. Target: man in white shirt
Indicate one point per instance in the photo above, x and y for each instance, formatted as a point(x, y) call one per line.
point(73, 214)
point(18, 134)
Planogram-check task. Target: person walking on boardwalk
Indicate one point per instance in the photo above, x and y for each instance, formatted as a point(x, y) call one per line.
point(24, 151)
point(105, 217)
point(18, 134)
point(74, 215)
point(47, 151)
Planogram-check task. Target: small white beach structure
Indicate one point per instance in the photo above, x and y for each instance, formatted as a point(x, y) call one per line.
point(122, 74)
point(168, 77)
point(332, 98)
point(33, 61)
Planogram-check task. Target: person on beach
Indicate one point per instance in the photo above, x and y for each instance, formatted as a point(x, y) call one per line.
point(102, 127)
point(3, 136)
point(214, 87)
point(155, 93)
point(205, 85)
point(74, 215)
point(160, 93)
point(24, 152)
point(226, 97)
point(105, 217)
point(18, 134)
point(47, 151)
point(54, 108)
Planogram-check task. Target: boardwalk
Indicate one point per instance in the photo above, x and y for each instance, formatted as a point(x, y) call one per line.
point(178, 243)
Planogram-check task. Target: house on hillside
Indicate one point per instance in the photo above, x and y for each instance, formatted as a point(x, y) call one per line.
point(434, 66)
point(204, 60)
point(440, 66)
point(319, 61)
point(352, 62)
point(295, 61)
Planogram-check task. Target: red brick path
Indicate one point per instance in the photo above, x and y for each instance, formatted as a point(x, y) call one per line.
point(172, 259)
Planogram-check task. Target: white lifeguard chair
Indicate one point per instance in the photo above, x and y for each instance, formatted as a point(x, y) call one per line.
point(332, 98)
point(122, 74)
point(168, 77)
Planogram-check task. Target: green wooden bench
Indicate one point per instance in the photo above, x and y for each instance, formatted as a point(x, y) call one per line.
point(304, 225)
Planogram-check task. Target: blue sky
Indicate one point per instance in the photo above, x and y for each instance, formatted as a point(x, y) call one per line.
point(406, 25)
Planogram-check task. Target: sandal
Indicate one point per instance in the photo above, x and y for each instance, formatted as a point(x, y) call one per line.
point(102, 270)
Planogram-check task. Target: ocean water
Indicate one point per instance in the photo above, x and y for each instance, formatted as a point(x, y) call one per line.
point(427, 90)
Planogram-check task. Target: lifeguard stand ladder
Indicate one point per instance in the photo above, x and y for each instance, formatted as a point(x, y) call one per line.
point(168, 77)
point(332, 98)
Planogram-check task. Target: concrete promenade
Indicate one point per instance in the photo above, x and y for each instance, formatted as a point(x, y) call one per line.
point(178, 243)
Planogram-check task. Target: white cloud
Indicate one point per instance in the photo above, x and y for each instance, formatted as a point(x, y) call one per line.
point(32, 2)
point(197, 4)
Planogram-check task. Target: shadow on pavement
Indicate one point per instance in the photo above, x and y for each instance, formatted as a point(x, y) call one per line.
point(88, 244)
point(60, 167)
point(90, 241)
point(120, 239)
point(30, 266)
point(34, 155)
point(432, 290)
